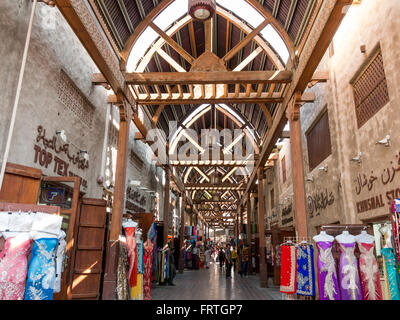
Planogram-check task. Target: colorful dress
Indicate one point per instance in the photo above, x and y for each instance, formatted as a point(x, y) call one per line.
point(148, 257)
point(14, 267)
point(349, 276)
point(305, 270)
point(131, 243)
point(42, 270)
point(369, 273)
point(392, 273)
point(288, 269)
point(327, 275)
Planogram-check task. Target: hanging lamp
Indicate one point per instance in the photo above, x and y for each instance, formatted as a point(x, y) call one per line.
point(202, 9)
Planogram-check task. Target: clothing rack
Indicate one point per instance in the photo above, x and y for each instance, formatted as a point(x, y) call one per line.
point(296, 240)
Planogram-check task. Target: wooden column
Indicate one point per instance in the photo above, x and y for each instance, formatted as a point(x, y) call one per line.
point(166, 204)
point(293, 114)
point(112, 252)
point(249, 233)
point(261, 232)
point(182, 236)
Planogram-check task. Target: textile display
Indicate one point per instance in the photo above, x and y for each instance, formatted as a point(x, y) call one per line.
point(369, 273)
point(392, 270)
point(140, 257)
point(350, 283)
point(14, 267)
point(130, 228)
point(137, 291)
point(288, 269)
point(46, 229)
point(122, 273)
point(42, 270)
point(305, 270)
point(148, 262)
point(327, 275)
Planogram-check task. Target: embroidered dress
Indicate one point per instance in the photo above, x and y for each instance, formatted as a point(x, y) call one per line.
point(148, 261)
point(42, 270)
point(349, 276)
point(392, 273)
point(60, 256)
point(327, 275)
point(122, 273)
point(288, 269)
point(369, 273)
point(14, 267)
point(131, 243)
point(305, 270)
point(140, 265)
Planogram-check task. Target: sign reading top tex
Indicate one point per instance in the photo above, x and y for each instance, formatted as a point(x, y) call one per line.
point(49, 153)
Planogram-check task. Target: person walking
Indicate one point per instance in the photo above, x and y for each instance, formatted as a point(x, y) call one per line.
point(221, 258)
point(228, 261)
point(172, 268)
point(234, 259)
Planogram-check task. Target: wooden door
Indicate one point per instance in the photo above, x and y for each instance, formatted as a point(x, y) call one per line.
point(69, 187)
point(89, 251)
point(20, 184)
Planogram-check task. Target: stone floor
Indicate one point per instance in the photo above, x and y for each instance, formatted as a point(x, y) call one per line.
point(211, 284)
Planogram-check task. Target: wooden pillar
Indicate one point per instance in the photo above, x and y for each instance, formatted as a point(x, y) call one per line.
point(249, 233)
point(112, 252)
point(166, 204)
point(261, 232)
point(182, 236)
point(293, 114)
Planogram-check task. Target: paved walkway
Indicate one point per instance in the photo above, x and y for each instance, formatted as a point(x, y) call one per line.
point(211, 284)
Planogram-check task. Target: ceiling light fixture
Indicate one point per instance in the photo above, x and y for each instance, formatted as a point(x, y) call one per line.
point(202, 9)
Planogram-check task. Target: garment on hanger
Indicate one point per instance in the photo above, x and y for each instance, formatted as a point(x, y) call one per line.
point(46, 229)
point(140, 266)
point(327, 275)
point(305, 270)
point(42, 270)
point(130, 228)
point(122, 273)
point(14, 267)
point(350, 283)
point(392, 273)
point(137, 291)
point(148, 257)
point(369, 272)
point(288, 269)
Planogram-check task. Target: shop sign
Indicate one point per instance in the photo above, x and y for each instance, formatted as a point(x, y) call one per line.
point(368, 182)
point(135, 200)
point(47, 159)
point(318, 202)
point(285, 212)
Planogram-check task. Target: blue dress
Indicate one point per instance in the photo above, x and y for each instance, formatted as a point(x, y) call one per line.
point(305, 270)
point(140, 257)
point(392, 273)
point(42, 270)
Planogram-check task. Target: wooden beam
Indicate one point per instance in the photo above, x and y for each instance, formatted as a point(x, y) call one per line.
point(170, 60)
point(245, 41)
point(172, 43)
point(202, 77)
point(248, 59)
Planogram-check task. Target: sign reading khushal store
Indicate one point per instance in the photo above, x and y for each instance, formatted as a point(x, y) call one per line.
point(383, 179)
point(52, 159)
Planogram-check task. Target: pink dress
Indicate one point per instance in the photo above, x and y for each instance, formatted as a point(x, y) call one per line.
point(14, 267)
point(369, 273)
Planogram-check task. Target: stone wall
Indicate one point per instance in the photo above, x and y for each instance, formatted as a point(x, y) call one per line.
point(351, 192)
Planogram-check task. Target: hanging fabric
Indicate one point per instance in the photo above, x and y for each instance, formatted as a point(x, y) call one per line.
point(122, 274)
point(369, 273)
point(130, 228)
point(148, 257)
point(288, 269)
point(349, 276)
point(392, 270)
point(42, 265)
point(14, 267)
point(327, 275)
point(60, 256)
point(305, 270)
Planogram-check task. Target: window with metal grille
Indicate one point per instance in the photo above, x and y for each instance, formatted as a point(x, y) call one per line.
point(370, 88)
point(319, 141)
